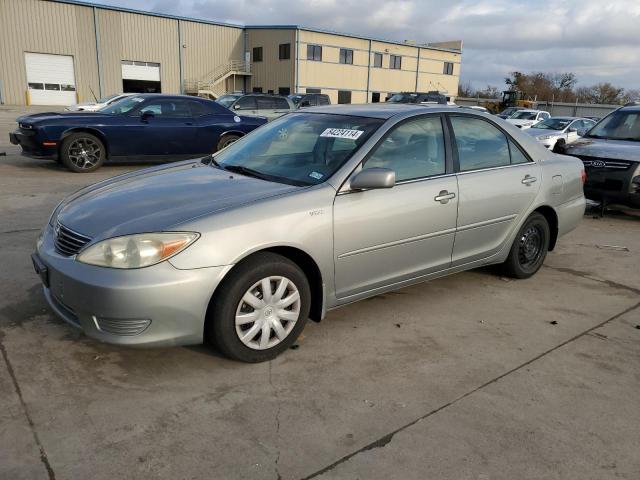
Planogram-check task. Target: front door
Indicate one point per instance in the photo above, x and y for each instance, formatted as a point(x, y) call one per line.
point(387, 236)
point(497, 184)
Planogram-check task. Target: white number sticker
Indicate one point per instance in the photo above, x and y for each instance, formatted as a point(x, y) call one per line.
point(342, 133)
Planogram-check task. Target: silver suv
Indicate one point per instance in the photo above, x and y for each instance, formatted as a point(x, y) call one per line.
point(259, 105)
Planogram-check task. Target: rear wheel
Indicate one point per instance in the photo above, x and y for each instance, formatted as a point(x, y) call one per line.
point(529, 248)
point(227, 140)
point(260, 309)
point(82, 152)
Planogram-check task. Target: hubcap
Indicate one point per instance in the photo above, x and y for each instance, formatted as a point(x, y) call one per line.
point(84, 153)
point(531, 243)
point(267, 312)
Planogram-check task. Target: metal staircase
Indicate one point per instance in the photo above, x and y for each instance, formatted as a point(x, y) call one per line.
point(213, 84)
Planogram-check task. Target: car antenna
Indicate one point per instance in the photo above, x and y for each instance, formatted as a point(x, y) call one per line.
point(94, 95)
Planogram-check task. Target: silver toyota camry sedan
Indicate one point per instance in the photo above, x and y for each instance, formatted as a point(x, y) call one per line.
point(315, 210)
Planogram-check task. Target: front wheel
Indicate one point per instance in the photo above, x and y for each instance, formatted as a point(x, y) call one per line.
point(226, 140)
point(82, 152)
point(529, 248)
point(260, 309)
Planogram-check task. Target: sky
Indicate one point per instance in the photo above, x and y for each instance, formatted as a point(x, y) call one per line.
point(598, 40)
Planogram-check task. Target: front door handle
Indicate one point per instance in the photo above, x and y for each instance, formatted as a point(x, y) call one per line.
point(528, 180)
point(444, 196)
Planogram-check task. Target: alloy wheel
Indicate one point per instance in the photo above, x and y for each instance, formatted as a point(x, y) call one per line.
point(267, 312)
point(84, 153)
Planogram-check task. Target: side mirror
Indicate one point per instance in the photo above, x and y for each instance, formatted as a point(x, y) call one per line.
point(146, 115)
point(572, 130)
point(373, 178)
point(236, 107)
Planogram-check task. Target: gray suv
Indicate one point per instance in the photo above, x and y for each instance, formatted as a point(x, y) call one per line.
point(258, 104)
point(610, 152)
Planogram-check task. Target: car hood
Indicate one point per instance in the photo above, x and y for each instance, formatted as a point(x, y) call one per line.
point(538, 132)
point(602, 148)
point(160, 198)
point(67, 115)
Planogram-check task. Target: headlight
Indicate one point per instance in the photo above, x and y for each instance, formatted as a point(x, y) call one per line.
point(137, 251)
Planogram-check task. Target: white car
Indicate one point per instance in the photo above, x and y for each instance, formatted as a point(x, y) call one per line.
point(527, 118)
point(558, 131)
point(95, 106)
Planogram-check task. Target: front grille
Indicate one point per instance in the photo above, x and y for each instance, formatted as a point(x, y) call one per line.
point(119, 326)
point(68, 242)
point(605, 163)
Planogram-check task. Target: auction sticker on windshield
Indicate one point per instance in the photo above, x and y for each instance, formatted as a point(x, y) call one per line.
point(342, 133)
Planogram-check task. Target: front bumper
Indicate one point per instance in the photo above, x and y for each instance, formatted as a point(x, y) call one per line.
point(153, 306)
point(32, 145)
point(612, 187)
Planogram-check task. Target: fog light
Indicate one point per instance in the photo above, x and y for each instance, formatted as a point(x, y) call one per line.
point(121, 326)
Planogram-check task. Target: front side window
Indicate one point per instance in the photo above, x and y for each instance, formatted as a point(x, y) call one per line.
point(227, 100)
point(246, 103)
point(257, 54)
point(553, 124)
point(168, 108)
point(346, 56)
point(122, 106)
point(299, 148)
point(377, 60)
point(480, 144)
point(523, 115)
point(620, 125)
point(395, 62)
point(414, 149)
point(314, 53)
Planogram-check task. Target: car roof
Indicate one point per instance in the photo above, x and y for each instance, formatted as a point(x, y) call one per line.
point(631, 108)
point(384, 110)
point(181, 97)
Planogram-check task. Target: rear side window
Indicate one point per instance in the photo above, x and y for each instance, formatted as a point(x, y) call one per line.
point(280, 103)
point(480, 144)
point(265, 103)
point(516, 154)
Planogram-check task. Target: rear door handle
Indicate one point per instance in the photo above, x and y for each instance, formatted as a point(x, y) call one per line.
point(528, 180)
point(444, 196)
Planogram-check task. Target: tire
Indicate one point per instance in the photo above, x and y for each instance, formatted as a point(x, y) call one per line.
point(559, 146)
point(82, 152)
point(229, 304)
point(529, 248)
point(226, 140)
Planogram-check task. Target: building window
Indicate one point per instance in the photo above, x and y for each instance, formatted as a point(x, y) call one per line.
point(314, 52)
point(257, 54)
point(284, 90)
point(344, 96)
point(377, 60)
point(375, 97)
point(284, 51)
point(448, 68)
point(346, 56)
point(270, 92)
point(257, 89)
point(314, 90)
point(395, 62)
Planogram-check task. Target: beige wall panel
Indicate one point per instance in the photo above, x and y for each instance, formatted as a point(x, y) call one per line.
point(209, 47)
point(109, 31)
point(320, 74)
point(42, 27)
point(330, 39)
point(272, 73)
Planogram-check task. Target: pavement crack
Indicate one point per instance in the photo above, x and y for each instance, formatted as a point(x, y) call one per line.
point(43, 454)
point(386, 439)
point(588, 276)
point(277, 418)
point(20, 230)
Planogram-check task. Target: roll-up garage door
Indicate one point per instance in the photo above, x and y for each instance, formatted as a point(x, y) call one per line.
point(50, 79)
point(140, 77)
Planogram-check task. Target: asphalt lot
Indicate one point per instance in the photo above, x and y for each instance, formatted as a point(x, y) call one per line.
point(469, 377)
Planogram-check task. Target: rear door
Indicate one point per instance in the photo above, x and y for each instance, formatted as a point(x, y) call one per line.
point(497, 183)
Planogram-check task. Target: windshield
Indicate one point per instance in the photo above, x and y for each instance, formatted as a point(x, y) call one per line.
point(619, 125)
point(227, 100)
point(507, 112)
point(295, 99)
point(298, 149)
point(553, 124)
point(523, 116)
point(403, 98)
point(122, 106)
point(108, 97)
